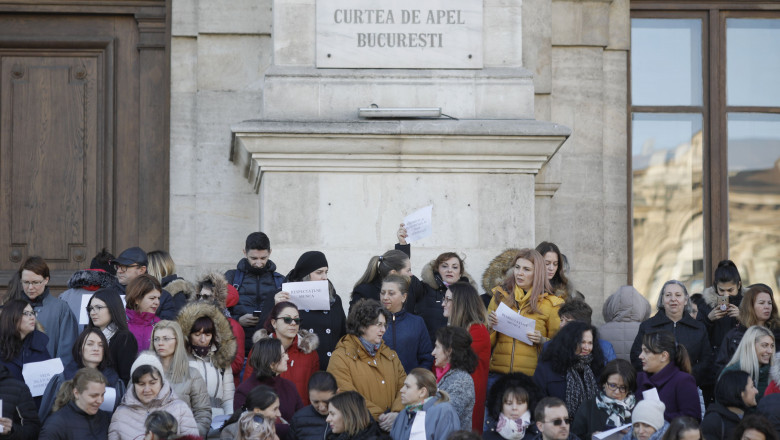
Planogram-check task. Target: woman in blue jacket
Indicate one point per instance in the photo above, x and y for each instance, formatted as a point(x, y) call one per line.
point(406, 333)
point(420, 394)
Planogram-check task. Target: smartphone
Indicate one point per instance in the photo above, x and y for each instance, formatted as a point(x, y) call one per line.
point(257, 313)
point(723, 302)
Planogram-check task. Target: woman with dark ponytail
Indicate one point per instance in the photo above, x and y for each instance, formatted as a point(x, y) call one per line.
point(667, 368)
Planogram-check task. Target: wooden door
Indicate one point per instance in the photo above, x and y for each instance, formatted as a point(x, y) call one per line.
point(83, 132)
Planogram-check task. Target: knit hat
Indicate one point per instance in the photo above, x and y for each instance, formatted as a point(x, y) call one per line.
point(148, 357)
point(649, 412)
point(307, 263)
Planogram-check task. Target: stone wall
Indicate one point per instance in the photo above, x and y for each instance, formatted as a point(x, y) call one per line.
point(577, 51)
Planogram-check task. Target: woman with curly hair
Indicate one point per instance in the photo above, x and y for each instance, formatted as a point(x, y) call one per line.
point(570, 364)
point(362, 362)
point(755, 427)
point(527, 292)
point(455, 361)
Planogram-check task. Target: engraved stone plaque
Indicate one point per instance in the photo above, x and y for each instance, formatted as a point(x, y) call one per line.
point(405, 34)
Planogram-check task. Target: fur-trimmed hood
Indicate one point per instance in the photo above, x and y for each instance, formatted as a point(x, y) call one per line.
point(496, 272)
point(710, 296)
point(90, 279)
point(223, 357)
point(220, 286)
point(429, 277)
point(307, 342)
point(181, 286)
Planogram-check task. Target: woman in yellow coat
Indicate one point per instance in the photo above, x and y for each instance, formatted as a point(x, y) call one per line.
point(362, 362)
point(525, 291)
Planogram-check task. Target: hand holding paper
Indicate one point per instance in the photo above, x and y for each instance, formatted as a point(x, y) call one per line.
point(418, 224)
point(309, 295)
point(514, 324)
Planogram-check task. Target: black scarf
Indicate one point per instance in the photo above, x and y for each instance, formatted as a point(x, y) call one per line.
point(580, 383)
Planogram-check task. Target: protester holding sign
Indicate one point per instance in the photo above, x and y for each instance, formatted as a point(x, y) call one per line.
point(526, 292)
point(107, 313)
point(90, 351)
point(328, 324)
point(284, 324)
point(77, 414)
point(20, 342)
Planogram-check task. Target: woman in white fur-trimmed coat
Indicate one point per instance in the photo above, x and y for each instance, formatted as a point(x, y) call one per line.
point(211, 348)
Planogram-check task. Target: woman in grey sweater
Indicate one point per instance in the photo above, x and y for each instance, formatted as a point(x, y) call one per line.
point(454, 361)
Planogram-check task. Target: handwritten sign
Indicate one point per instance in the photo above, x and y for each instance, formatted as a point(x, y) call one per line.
point(418, 224)
point(37, 374)
point(109, 400)
point(514, 324)
point(443, 34)
point(309, 295)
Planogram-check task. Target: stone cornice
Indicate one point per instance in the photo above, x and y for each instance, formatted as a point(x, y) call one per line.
point(407, 146)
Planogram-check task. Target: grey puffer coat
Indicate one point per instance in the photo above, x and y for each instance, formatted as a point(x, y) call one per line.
point(128, 420)
point(623, 311)
point(192, 391)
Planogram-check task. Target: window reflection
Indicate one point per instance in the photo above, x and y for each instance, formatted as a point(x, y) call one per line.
point(753, 62)
point(667, 201)
point(666, 62)
point(754, 196)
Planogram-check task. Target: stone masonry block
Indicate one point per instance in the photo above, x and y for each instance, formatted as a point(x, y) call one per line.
point(502, 35)
point(233, 62)
point(235, 16)
point(184, 65)
point(183, 141)
point(537, 42)
point(620, 25)
point(294, 33)
point(580, 23)
point(184, 18)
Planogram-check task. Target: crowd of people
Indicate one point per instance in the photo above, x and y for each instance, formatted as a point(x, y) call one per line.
point(148, 354)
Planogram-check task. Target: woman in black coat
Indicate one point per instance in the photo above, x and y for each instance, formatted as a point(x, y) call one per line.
point(328, 325)
point(19, 414)
point(77, 413)
point(570, 365)
point(734, 393)
point(674, 316)
point(614, 403)
point(107, 313)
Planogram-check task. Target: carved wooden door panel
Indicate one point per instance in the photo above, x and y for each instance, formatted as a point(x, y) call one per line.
point(83, 137)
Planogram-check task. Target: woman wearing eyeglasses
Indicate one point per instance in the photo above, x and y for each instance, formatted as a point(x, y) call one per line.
point(20, 341)
point(185, 381)
point(211, 348)
point(55, 315)
point(269, 361)
point(284, 323)
point(362, 362)
point(613, 405)
point(107, 313)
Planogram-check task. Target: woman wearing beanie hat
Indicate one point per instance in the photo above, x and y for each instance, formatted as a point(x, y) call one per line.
point(647, 421)
point(149, 392)
point(328, 325)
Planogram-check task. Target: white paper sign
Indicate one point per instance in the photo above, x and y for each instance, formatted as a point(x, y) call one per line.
point(109, 399)
point(218, 421)
point(37, 374)
point(612, 433)
point(514, 324)
point(309, 295)
point(418, 224)
point(651, 394)
point(418, 427)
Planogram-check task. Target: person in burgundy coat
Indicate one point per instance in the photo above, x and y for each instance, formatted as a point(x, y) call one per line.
point(269, 360)
point(666, 368)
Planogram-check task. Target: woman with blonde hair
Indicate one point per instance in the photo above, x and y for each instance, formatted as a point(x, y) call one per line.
point(186, 382)
point(755, 356)
point(526, 291)
point(349, 419)
point(464, 308)
point(254, 427)
point(421, 394)
point(161, 266)
point(77, 413)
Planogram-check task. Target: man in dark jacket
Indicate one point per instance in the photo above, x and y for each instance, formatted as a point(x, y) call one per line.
point(552, 420)
point(19, 419)
point(131, 264)
point(257, 282)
